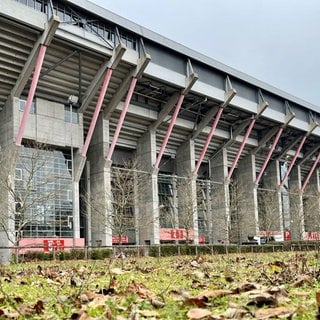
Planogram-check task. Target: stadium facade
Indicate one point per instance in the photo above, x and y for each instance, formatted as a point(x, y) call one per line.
point(219, 155)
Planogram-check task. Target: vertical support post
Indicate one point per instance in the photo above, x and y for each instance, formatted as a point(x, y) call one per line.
point(292, 162)
point(266, 161)
point(35, 78)
point(172, 122)
point(310, 173)
point(122, 116)
point(244, 141)
point(96, 111)
point(210, 135)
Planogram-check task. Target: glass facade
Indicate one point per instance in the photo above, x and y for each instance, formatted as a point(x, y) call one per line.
point(43, 193)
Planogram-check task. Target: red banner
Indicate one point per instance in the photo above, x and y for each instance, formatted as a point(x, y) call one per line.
point(53, 245)
point(116, 239)
point(168, 234)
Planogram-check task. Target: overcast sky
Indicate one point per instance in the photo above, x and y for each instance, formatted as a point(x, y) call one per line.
point(275, 41)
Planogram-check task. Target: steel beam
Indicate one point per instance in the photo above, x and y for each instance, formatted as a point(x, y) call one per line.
point(169, 130)
point(293, 161)
point(35, 78)
point(45, 39)
point(121, 119)
point(265, 139)
point(210, 135)
point(314, 165)
point(208, 117)
point(96, 112)
point(308, 155)
point(135, 73)
point(266, 161)
point(288, 118)
point(312, 126)
point(165, 111)
point(112, 63)
point(235, 161)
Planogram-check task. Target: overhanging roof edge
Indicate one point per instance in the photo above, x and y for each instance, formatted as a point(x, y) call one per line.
point(163, 41)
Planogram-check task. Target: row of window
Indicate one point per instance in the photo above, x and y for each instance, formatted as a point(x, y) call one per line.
point(89, 23)
point(70, 114)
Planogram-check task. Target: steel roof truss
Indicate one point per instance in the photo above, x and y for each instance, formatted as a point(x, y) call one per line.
point(266, 137)
point(112, 63)
point(306, 181)
point(228, 96)
point(44, 39)
point(308, 154)
point(134, 73)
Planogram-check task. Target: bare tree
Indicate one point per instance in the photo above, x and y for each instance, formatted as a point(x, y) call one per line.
point(296, 213)
point(117, 207)
point(311, 210)
point(243, 223)
point(187, 207)
point(269, 215)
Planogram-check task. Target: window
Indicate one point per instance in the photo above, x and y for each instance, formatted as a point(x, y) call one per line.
point(70, 114)
point(49, 195)
point(22, 105)
point(18, 174)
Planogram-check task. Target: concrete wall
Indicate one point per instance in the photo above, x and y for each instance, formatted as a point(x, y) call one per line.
point(48, 124)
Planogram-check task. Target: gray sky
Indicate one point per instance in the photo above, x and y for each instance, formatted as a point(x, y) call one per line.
point(275, 41)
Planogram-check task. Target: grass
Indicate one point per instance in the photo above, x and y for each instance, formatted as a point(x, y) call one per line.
point(248, 286)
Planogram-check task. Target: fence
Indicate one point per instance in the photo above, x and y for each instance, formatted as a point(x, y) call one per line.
point(39, 253)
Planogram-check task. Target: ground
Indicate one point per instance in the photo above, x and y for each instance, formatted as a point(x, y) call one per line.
point(234, 286)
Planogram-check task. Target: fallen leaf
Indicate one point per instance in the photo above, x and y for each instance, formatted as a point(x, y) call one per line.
point(247, 286)
point(179, 295)
point(235, 313)
point(274, 312)
point(157, 304)
point(302, 280)
point(213, 294)
point(198, 313)
point(117, 271)
point(195, 302)
point(38, 307)
point(149, 313)
point(263, 299)
point(140, 289)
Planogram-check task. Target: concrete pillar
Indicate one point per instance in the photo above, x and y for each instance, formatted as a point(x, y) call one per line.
point(7, 206)
point(311, 206)
point(76, 209)
point(246, 197)
point(221, 198)
point(273, 211)
point(187, 189)
point(148, 220)
point(296, 204)
point(100, 185)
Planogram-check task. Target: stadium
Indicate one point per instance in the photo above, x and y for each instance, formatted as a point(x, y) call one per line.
point(111, 133)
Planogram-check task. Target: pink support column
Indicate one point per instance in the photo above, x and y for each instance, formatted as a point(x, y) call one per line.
point(293, 161)
point(122, 116)
point(244, 141)
point(266, 161)
point(310, 173)
point(96, 111)
point(35, 78)
point(210, 135)
point(172, 122)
